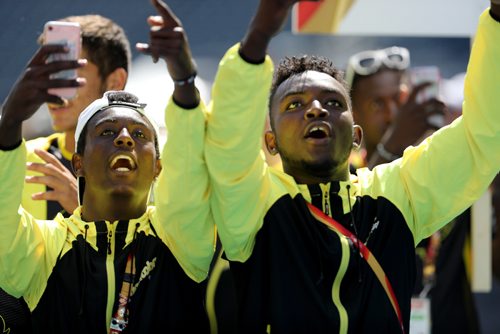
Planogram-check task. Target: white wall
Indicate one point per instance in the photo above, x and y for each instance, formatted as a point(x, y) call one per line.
point(448, 18)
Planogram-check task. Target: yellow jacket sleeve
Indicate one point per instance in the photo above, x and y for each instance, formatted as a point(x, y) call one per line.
point(234, 135)
point(439, 179)
point(28, 247)
point(183, 216)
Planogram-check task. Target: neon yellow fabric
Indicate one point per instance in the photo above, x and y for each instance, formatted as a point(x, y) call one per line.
point(240, 182)
point(182, 192)
point(28, 248)
point(450, 170)
point(39, 208)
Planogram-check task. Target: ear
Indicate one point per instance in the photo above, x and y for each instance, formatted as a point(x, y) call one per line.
point(357, 136)
point(270, 139)
point(158, 168)
point(76, 164)
point(117, 79)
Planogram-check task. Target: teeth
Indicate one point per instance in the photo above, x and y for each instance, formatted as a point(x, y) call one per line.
point(318, 128)
point(123, 157)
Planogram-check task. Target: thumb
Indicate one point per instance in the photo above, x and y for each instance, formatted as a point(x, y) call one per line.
point(155, 21)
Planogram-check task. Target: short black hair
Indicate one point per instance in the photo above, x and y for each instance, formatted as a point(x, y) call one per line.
point(290, 66)
point(113, 97)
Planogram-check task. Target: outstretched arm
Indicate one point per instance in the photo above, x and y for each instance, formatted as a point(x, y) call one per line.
point(25, 260)
point(452, 168)
point(234, 134)
point(182, 191)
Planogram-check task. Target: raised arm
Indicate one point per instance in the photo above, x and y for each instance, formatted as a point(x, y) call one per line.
point(24, 259)
point(182, 190)
point(452, 168)
point(235, 125)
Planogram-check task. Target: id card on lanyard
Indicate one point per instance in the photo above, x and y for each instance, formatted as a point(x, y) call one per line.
point(420, 316)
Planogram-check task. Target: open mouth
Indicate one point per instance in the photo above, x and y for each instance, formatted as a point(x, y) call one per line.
point(318, 131)
point(123, 163)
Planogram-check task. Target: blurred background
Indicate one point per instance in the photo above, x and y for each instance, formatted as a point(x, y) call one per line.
point(436, 33)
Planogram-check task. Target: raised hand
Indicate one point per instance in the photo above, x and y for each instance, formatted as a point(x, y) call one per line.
point(168, 41)
point(411, 123)
point(268, 21)
point(30, 91)
point(56, 176)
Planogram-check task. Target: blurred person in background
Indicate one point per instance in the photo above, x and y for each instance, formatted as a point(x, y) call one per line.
point(393, 116)
point(51, 185)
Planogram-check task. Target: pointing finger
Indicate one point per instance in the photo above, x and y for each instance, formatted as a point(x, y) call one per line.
point(169, 18)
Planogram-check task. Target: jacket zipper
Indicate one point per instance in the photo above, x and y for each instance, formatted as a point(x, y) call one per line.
point(325, 189)
point(110, 236)
point(110, 271)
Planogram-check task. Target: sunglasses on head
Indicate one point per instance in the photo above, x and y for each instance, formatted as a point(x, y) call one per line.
point(369, 62)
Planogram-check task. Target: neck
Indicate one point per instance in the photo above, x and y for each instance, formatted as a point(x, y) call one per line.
point(115, 208)
point(69, 140)
point(308, 177)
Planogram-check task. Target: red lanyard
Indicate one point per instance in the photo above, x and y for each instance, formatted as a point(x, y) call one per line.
point(365, 253)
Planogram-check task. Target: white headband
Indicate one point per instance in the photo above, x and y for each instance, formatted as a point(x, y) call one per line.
point(102, 104)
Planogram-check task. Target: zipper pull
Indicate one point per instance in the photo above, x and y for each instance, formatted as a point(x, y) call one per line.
point(326, 200)
point(110, 235)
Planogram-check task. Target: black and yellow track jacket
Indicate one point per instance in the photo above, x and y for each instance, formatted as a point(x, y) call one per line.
point(294, 275)
point(70, 271)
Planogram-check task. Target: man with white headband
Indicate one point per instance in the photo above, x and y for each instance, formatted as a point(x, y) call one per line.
point(116, 264)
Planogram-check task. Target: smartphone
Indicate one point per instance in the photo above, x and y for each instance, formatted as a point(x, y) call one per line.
point(421, 74)
point(69, 34)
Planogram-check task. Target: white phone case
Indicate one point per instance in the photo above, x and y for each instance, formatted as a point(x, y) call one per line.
point(67, 33)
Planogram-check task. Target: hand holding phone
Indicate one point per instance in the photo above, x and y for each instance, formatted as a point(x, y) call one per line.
point(428, 74)
point(69, 34)
point(423, 74)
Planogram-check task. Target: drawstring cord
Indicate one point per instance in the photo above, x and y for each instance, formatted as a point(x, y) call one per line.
point(353, 225)
point(120, 318)
point(84, 260)
point(133, 251)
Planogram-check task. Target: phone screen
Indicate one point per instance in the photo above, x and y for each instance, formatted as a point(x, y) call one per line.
point(421, 74)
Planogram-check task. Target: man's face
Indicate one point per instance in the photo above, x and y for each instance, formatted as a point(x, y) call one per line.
point(376, 100)
point(119, 157)
point(64, 118)
point(313, 126)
